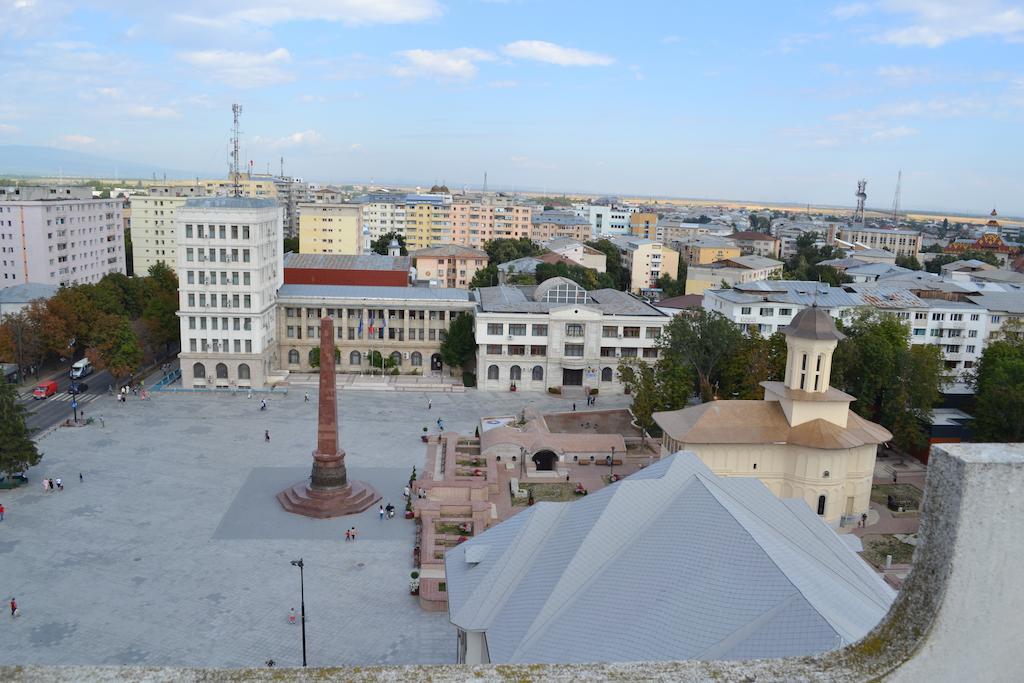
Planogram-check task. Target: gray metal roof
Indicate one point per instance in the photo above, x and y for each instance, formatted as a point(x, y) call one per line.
point(519, 299)
point(24, 293)
point(804, 293)
point(229, 203)
point(813, 323)
point(373, 292)
point(752, 262)
point(1006, 302)
point(671, 563)
point(347, 261)
point(526, 264)
point(559, 218)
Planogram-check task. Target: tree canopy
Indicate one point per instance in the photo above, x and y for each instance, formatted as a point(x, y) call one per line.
point(935, 265)
point(999, 388)
point(804, 264)
point(18, 451)
point(459, 347)
point(380, 245)
point(702, 342)
point(665, 385)
point(588, 278)
point(504, 249)
point(613, 263)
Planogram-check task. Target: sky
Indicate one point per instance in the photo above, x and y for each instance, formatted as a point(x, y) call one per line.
point(769, 101)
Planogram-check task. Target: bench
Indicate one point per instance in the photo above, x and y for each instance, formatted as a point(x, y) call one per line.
point(517, 492)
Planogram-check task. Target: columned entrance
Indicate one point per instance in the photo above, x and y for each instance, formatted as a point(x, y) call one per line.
point(572, 378)
point(435, 363)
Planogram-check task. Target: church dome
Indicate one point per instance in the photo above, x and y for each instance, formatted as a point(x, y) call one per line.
point(813, 323)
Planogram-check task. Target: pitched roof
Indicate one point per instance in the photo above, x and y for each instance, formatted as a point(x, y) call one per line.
point(764, 422)
point(26, 292)
point(813, 323)
point(681, 301)
point(447, 250)
point(752, 236)
point(346, 261)
point(670, 563)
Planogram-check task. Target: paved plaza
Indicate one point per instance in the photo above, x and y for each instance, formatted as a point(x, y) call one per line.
point(173, 550)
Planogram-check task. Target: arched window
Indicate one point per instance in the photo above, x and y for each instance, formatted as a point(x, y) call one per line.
point(821, 505)
point(492, 372)
point(355, 358)
point(293, 357)
point(606, 374)
point(222, 371)
point(243, 371)
point(538, 373)
point(416, 358)
point(314, 356)
point(199, 371)
point(396, 358)
point(515, 373)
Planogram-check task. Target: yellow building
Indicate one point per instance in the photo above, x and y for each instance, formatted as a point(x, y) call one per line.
point(646, 260)
point(262, 188)
point(704, 249)
point(644, 225)
point(330, 228)
point(802, 440)
point(428, 220)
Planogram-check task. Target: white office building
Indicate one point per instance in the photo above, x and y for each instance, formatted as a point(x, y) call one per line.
point(230, 267)
point(606, 220)
point(558, 334)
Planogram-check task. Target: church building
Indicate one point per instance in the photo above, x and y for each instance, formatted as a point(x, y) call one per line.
point(802, 440)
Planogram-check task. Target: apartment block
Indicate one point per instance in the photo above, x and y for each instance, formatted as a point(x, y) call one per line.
point(330, 228)
point(549, 225)
point(450, 265)
point(59, 236)
point(428, 220)
point(479, 218)
point(899, 242)
point(646, 260)
point(644, 224)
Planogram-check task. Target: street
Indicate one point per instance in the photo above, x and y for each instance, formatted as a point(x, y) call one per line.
point(49, 411)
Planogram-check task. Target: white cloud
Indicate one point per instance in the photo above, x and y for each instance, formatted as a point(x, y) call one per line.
point(550, 53)
point(8, 128)
point(851, 10)
point(75, 139)
point(349, 12)
point(147, 111)
point(460, 63)
point(355, 147)
point(241, 69)
point(934, 23)
point(638, 73)
point(301, 138)
point(312, 98)
point(503, 84)
point(891, 133)
point(112, 93)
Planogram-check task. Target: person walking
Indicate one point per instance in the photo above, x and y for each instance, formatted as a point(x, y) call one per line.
point(380, 511)
point(1, 512)
point(574, 406)
point(864, 520)
point(353, 533)
point(291, 616)
point(263, 404)
point(306, 397)
point(80, 478)
point(266, 436)
point(14, 607)
point(348, 534)
point(60, 484)
point(405, 492)
point(430, 404)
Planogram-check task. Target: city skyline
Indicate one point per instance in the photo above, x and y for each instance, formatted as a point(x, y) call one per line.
point(781, 104)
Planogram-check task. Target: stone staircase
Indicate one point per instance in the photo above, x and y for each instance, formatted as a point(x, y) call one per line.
point(302, 500)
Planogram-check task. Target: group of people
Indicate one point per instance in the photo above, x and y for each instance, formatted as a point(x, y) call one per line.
point(137, 390)
point(51, 484)
point(389, 510)
point(350, 534)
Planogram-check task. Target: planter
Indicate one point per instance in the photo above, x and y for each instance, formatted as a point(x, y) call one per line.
point(409, 514)
point(424, 438)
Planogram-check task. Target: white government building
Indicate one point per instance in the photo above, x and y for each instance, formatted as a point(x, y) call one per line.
point(558, 334)
point(230, 266)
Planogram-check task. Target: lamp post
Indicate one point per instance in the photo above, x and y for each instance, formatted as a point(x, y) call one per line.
point(611, 464)
point(522, 462)
point(302, 604)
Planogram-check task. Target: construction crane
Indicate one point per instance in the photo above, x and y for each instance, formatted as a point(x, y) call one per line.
point(896, 201)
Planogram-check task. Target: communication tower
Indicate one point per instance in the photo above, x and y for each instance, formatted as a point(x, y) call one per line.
point(896, 201)
point(236, 133)
point(862, 195)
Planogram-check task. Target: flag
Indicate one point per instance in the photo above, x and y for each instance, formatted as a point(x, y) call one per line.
point(360, 326)
point(371, 322)
point(385, 319)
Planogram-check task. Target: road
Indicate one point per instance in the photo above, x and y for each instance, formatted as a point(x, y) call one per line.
point(46, 412)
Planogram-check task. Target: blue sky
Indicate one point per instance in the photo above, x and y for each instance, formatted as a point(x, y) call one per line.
point(786, 101)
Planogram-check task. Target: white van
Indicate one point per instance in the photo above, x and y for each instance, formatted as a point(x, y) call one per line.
point(81, 369)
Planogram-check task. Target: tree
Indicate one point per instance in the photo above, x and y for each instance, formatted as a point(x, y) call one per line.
point(290, 244)
point(999, 389)
point(702, 341)
point(18, 451)
point(669, 286)
point(20, 337)
point(115, 346)
point(503, 249)
point(756, 359)
point(485, 277)
point(380, 245)
point(935, 265)
point(587, 278)
point(910, 262)
point(459, 347)
point(314, 357)
point(654, 388)
point(67, 321)
point(896, 383)
point(613, 263)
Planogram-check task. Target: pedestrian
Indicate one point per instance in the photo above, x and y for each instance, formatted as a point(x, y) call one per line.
point(1, 512)
point(291, 616)
point(60, 484)
point(894, 477)
point(348, 534)
point(574, 406)
point(102, 423)
point(14, 607)
point(864, 520)
point(380, 511)
point(405, 492)
point(390, 509)
point(80, 478)
point(263, 404)
point(46, 485)
point(250, 394)
point(266, 436)
point(353, 533)
point(430, 404)
point(306, 397)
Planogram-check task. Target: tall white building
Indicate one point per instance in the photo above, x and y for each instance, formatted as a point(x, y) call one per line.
point(152, 224)
point(59, 236)
point(230, 267)
point(606, 220)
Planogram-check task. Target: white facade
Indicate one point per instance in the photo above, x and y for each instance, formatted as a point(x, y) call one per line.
point(382, 215)
point(230, 267)
point(605, 220)
point(59, 236)
point(153, 235)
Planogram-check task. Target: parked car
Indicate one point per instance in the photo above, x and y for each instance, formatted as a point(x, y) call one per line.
point(45, 389)
point(78, 388)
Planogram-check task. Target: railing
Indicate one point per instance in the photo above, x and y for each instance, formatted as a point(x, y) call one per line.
point(163, 382)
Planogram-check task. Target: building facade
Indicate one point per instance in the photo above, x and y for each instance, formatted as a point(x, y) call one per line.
point(152, 224)
point(644, 224)
point(59, 236)
point(383, 212)
point(558, 335)
point(753, 243)
point(480, 218)
point(404, 325)
point(343, 269)
point(731, 272)
point(579, 253)
point(451, 265)
point(428, 220)
point(549, 225)
point(899, 242)
point(702, 249)
point(334, 228)
point(646, 260)
point(229, 270)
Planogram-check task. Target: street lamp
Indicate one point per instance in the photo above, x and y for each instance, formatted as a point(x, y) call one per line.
point(522, 462)
point(302, 604)
point(611, 464)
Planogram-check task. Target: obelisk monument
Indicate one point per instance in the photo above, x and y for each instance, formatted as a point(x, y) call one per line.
point(328, 493)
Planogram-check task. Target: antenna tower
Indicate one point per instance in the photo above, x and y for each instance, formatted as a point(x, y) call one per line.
point(485, 182)
point(862, 195)
point(236, 176)
point(282, 167)
point(896, 201)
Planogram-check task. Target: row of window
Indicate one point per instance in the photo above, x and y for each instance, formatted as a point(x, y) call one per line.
point(515, 373)
point(219, 346)
point(572, 330)
point(217, 231)
point(221, 323)
point(221, 371)
point(211, 255)
point(355, 357)
point(226, 301)
point(356, 333)
point(371, 313)
point(204, 278)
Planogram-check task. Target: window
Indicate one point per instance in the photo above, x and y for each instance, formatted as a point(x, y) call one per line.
point(516, 350)
point(745, 310)
point(574, 350)
point(972, 333)
point(416, 359)
point(243, 370)
point(920, 316)
point(652, 332)
point(515, 373)
point(975, 317)
point(650, 353)
point(573, 330)
point(396, 358)
point(919, 331)
point(538, 350)
point(629, 352)
point(970, 348)
point(248, 345)
point(538, 373)
point(245, 256)
point(492, 372)
point(314, 355)
point(492, 349)
point(606, 374)
point(517, 330)
point(290, 331)
point(199, 371)
point(607, 352)
point(785, 311)
point(355, 358)
point(540, 330)
point(631, 332)
point(956, 316)
point(997, 318)
point(935, 333)
point(821, 505)
point(767, 311)
point(494, 328)
point(938, 316)
point(609, 332)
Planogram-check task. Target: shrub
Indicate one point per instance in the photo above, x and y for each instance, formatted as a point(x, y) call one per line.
point(554, 390)
point(593, 392)
point(468, 379)
point(414, 575)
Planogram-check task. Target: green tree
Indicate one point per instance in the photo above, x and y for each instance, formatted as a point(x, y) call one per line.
point(935, 265)
point(503, 249)
point(658, 387)
point(485, 277)
point(999, 389)
point(756, 359)
point(669, 286)
point(910, 262)
point(459, 347)
point(115, 346)
point(290, 244)
point(380, 245)
point(702, 342)
point(896, 384)
point(588, 278)
point(314, 357)
point(18, 451)
point(613, 263)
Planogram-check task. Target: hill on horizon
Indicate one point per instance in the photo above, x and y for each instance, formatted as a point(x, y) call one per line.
point(35, 160)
